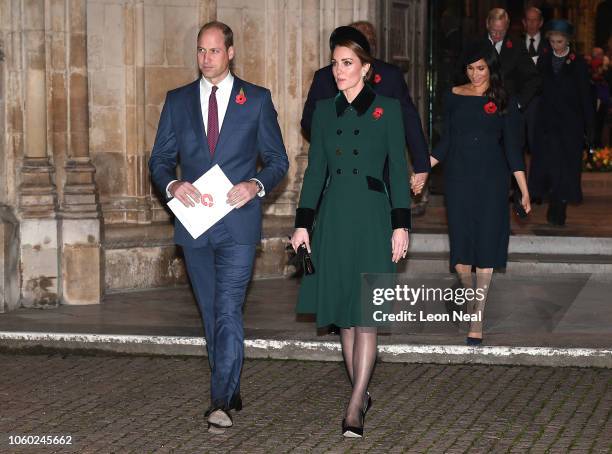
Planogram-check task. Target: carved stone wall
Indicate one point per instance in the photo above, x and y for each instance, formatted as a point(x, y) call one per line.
point(582, 15)
point(280, 44)
point(82, 84)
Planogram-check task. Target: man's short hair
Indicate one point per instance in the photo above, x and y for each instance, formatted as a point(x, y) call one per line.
point(228, 34)
point(533, 8)
point(498, 14)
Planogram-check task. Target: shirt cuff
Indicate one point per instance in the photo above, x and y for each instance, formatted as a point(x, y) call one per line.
point(167, 189)
point(263, 190)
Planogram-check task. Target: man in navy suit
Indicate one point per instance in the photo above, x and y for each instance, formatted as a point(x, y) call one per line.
point(220, 119)
point(388, 80)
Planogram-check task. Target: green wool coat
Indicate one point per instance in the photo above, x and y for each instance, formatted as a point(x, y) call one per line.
point(354, 222)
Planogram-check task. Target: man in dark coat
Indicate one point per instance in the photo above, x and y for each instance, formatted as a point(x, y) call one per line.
point(520, 76)
point(387, 81)
point(535, 42)
point(536, 45)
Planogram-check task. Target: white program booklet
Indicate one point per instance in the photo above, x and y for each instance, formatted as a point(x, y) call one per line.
point(213, 186)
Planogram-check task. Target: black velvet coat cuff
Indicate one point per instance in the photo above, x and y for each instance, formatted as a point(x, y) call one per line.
point(304, 218)
point(401, 218)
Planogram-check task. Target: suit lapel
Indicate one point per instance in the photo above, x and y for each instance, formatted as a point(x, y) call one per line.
point(230, 114)
point(504, 47)
point(197, 122)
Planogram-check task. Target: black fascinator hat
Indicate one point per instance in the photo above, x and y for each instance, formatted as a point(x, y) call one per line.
point(346, 33)
point(479, 51)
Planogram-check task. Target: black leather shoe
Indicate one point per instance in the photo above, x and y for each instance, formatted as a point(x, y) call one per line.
point(556, 213)
point(235, 402)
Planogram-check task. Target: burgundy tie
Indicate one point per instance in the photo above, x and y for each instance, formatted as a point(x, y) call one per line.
point(213, 121)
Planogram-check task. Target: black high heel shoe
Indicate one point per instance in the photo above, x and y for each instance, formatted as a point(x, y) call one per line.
point(352, 431)
point(473, 341)
point(367, 403)
point(355, 431)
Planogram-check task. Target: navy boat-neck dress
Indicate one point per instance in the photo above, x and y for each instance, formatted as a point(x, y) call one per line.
point(480, 150)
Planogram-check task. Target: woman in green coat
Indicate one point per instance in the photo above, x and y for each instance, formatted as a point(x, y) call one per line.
point(358, 228)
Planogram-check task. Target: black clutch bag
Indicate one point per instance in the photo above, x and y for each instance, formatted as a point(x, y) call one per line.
point(304, 257)
point(517, 206)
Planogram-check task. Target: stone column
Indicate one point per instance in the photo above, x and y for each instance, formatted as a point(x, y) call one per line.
point(11, 141)
point(9, 257)
point(81, 257)
point(207, 11)
point(37, 199)
point(138, 182)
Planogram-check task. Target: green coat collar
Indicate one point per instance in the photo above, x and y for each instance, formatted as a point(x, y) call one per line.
point(361, 103)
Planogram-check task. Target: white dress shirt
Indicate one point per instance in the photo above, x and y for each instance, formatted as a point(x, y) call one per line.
point(223, 94)
point(536, 42)
point(497, 45)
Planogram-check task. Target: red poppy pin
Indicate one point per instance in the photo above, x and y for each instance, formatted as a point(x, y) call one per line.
point(378, 112)
point(570, 58)
point(377, 78)
point(490, 108)
point(545, 50)
point(240, 97)
point(509, 44)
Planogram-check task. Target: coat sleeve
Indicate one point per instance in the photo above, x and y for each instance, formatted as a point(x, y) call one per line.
point(412, 127)
point(314, 176)
point(398, 168)
point(584, 87)
point(270, 146)
point(512, 132)
point(309, 105)
point(162, 164)
point(444, 144)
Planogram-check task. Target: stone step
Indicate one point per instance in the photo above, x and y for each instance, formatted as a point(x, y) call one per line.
point(140, 257)
point(296, 349)
point(518, 263)
point(523, 244)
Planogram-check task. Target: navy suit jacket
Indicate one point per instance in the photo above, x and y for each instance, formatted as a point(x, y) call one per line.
point(249, 130)
point(390, 82)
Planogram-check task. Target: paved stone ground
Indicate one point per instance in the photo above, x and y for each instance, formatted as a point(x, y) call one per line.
point(155, 404)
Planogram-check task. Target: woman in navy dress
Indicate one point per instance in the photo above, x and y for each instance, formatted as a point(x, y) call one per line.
point(478, 118)
point(566, 115)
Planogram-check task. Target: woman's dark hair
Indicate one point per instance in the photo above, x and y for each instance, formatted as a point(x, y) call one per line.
point(496, 91)
point(363, 55)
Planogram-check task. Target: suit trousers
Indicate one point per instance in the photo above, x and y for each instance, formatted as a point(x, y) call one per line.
point(531, 118)
point(220, 272)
